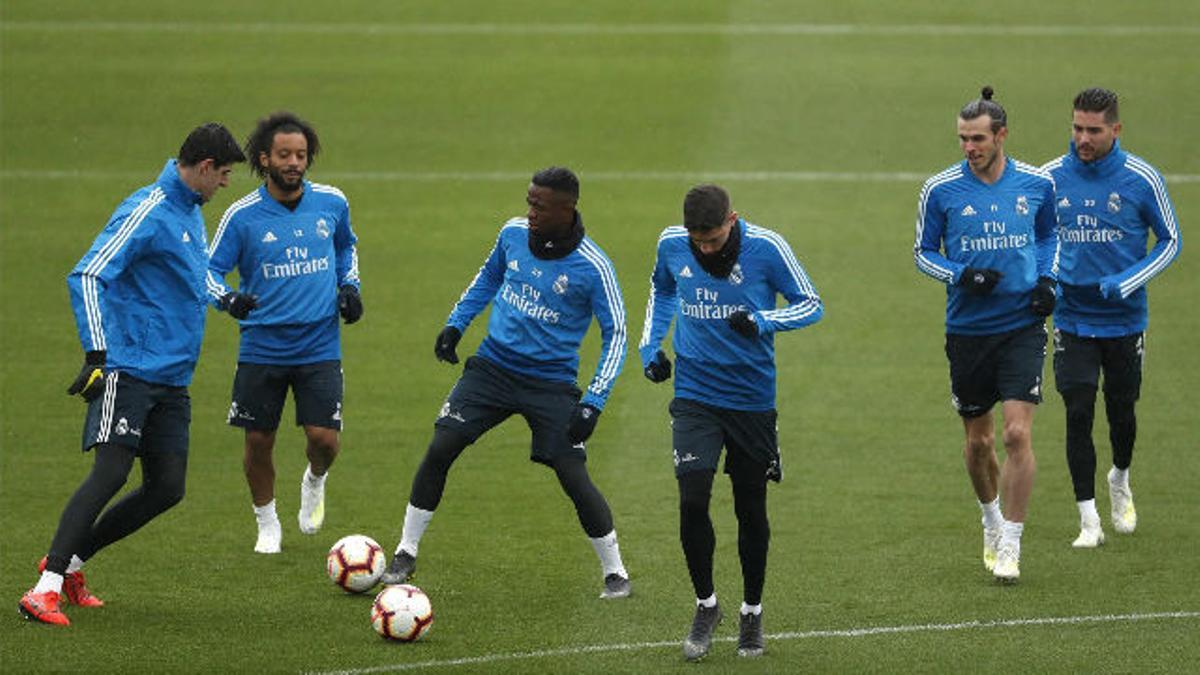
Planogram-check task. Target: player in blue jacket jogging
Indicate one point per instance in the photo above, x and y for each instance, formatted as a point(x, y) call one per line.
point(545, 279)
point(1109, 201)
point(986, 228)
point(294, 249)
point(139, 300)
point(717, 277)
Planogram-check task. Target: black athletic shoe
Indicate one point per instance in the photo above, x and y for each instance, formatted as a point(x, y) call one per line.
point(400, 569)
point(696, 644)
point(750, 635)
point(616, 586)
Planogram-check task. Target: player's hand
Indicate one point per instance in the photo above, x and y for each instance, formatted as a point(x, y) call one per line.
point(447, 341)
point(979, 280)
point(238, 304)
point(349, 304)
point(90, 382)
point(1110, 289)
point(658, 370)
point(1043, 297)
point(583, 423)
point(743, 323)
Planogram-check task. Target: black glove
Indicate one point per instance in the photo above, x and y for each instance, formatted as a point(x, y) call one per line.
point(1043, 297)
point(238, 304)
point(349, 304)
point(447, 340)
point(658, 370)
point(979, 280)
point(583, 423)
point(741, 322)
point(90, 382)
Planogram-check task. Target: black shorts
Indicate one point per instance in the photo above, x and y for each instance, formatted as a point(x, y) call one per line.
point(985, 369)
point(1078, 362)
point(488, 394)
point(699, 431)
point(147, 417)
point(260, 389)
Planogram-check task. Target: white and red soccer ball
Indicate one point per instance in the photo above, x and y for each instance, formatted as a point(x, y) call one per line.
point(401, 613)
point(355, 563)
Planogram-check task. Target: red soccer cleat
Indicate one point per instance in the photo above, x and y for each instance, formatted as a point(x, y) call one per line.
point(42, 607)
point(75, 588)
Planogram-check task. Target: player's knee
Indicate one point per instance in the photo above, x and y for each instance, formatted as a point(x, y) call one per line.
point(980, 445)
point(1016, 436)
point(695, 492)
point(444, 449)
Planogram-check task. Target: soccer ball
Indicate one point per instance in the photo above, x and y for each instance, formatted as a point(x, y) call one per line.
point(401, 613)
point(355, 563)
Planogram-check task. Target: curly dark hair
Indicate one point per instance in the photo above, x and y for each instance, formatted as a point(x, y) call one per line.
point(263, 137)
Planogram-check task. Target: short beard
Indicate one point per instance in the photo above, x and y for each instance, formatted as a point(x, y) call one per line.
point(277, 178)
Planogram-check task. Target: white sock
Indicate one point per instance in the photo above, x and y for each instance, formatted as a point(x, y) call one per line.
point(50, 581)
point(991, 514)
point(312, 480)
point(1087, 511)
point(1119, 477)
point(710, 601)
point(415, 522)
point(609, 553)
point(751, 609)
point(265, 514)
point(75, 565)
point(1011, 534)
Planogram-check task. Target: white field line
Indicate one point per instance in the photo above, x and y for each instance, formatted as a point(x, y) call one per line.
point(775, 637)
point(602, 29)
point(504, 176)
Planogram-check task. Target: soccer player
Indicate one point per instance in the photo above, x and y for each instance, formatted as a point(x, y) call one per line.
point(545, 279)
point(139, 302)
point(293, 247)
point(717, 277)
point(986, 229)
point(1108, 203)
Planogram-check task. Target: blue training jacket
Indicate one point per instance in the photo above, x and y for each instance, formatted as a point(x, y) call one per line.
point(1009, 226)
point(1106, 210)
point(541, 309)
point(138, 293)
point(714, 364)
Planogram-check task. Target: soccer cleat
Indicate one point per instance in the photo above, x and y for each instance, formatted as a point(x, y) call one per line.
point(75, 590)
point(696, 644)
point(616, 586)
point(312, 507)
point(1008, 564)
point(400, 570)
point(1123, 514)
point(1091, 535)
point(991, 542)
point(750, 636)
point(42, 607)
point(270, 536)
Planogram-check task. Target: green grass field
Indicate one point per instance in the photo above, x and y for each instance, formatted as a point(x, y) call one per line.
point(821, 121)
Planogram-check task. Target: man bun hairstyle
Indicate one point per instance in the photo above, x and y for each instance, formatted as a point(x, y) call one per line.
point(984, 105)
point(559, 179)
point(263, 137)
point(210, 141)
point(705, 207)
point(1097, 99)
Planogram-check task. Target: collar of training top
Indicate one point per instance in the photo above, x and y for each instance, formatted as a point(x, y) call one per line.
point(720, 263)
point(553, 248)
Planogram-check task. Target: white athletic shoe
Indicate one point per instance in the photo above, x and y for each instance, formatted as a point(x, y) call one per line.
point(991, 543)
point(1091, 535)
point(1123, 514)
point(312, 507)
point(1008, 564)
point(269, 537)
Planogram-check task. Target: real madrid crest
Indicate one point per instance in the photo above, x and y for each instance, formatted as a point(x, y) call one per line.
point(1114, 203)
point(322, 228)
point(735, 274)
point(560, 284)
point(1022, 205)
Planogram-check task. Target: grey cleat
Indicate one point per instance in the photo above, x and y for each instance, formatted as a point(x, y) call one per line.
point(750, 636)
point(400, 569)
point(616, 586)
point(696, 644)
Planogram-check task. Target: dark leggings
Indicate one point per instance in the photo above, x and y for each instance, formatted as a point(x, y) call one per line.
point(754, 531)
point(1081, 451)
point(81, 533)
point(446, 446)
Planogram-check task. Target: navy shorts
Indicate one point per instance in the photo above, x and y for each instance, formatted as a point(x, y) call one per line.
point(699, 431)
point(1079, 361)
point(488, 394)
point(985, 369)
point(147, 417)
point(260, 389)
